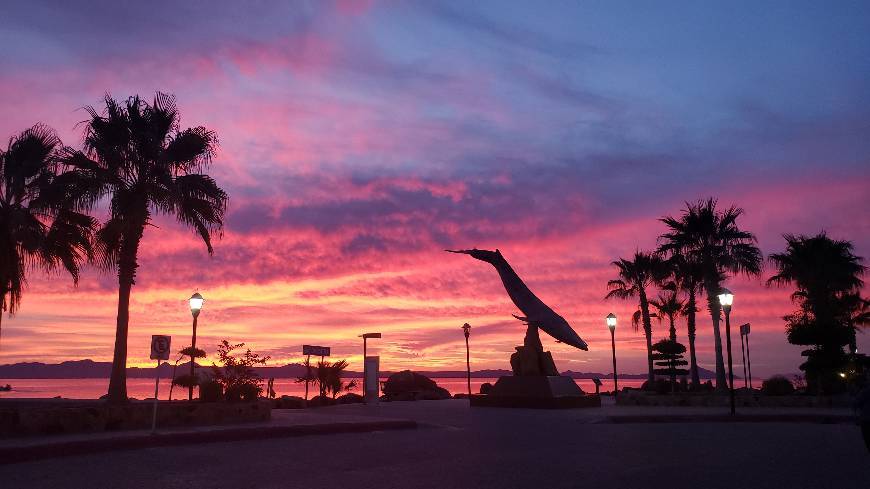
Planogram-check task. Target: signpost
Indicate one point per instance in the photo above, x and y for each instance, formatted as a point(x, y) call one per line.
point(317, 351)
point(159, 351)
point(308, 350)
point(747, 363)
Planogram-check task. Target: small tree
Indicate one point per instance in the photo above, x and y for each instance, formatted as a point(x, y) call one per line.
point(237, 375)
point(310, 376)
point(669, 356)
point(329, 378)
point(187, 381)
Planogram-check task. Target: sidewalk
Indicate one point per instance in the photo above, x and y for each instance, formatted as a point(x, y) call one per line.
point(284, 423)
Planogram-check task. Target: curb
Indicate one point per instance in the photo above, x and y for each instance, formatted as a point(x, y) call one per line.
point(30, 453)
point(737, 418)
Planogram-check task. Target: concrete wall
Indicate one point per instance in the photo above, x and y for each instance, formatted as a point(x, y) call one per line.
point(49, 417)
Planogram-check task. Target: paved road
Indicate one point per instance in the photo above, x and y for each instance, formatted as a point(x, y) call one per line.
point(492, 448)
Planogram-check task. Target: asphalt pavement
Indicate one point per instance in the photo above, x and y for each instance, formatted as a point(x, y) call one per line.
point(458, 447)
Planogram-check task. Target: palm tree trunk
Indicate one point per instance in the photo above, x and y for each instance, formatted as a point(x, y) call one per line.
point(2, 310)
point(690, 326)
point(712, 288)
point(673, 330)
point(126, 274)
point(647, 330)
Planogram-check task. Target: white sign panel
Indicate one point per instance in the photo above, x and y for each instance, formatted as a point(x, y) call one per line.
point(370, 370)
point(160, 347)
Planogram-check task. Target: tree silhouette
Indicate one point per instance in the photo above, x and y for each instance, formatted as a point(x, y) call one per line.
point(669, 357)
point(329, 378)
point(688, 277)
point(635, 276)
point(136, 156)
point(827, 276)
point(669, 306)
point(35, 229)
point(712, 239)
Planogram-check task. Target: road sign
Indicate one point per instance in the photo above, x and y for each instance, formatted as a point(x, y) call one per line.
point(317, 351)
point(160, 347)
point(744, 329)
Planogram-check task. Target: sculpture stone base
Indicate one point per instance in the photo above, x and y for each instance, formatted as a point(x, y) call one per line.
point(536, 391)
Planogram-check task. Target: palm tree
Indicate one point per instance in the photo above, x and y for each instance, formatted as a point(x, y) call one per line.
point(35, 231)
point(136, 156)
point(827, 276)
point(856, 312)
point(669, 306)
point(688, 277)
point(329, 377)
point(635, 276)
point(711, 238)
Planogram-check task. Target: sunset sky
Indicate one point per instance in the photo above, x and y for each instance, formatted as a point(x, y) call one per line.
point(360, 139)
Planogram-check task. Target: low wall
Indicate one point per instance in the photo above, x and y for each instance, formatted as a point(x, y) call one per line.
point(52, 417)
point(640, 398)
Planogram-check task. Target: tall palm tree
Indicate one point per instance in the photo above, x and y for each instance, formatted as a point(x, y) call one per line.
point(35, 231)
point(136, 156)
point(712, 238)
point(827, 276)
point(856, 312)
point(669, 306)
point(688, 277)
point(635, 276)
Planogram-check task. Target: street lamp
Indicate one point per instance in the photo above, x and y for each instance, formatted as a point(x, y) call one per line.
point(466, 329)
point(726, 298)
point(611, 325)
point(366, 336)
point(196, 301)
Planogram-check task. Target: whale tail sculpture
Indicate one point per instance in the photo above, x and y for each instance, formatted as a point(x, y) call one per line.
point(536, 313)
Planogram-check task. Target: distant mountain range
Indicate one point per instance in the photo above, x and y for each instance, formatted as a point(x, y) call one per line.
point(89, 369)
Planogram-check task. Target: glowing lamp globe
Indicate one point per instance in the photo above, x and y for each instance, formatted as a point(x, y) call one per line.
point(611, 321)
point(726, 298)
point(196, 301)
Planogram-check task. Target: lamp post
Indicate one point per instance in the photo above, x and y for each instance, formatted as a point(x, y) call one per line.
point(726, 298)
point(366, 336)
point(611, 325)
point(196, 301)
point(466, 330)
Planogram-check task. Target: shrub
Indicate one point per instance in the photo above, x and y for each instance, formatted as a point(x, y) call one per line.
point(243, 392)
point(777, 386)
point(237, 375)
point(211, 391)
point(186, 380)
point(349, 398)
point(318, 400)
point(485, 388)
point(407, 382)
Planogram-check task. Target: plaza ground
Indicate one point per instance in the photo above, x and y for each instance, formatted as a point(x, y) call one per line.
point(458, 447)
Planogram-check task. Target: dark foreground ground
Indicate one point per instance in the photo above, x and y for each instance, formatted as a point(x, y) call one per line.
point(458, 447)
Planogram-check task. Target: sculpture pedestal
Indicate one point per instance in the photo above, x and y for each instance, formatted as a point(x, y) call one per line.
point(536, 391)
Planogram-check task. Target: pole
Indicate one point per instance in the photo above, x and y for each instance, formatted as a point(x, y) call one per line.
point(743, 351)
point(156, 388)
point(307, 375)
point(613, 346)
point(193, 349)
point(365, 366)
point(320, 381)
point(468, 365)
point(748, 361)
point(730, 366)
